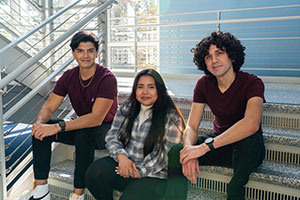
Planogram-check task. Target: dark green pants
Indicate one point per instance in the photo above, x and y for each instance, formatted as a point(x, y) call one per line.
point(243, 156)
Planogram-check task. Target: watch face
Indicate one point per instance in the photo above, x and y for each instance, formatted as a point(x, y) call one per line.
point(209, 140)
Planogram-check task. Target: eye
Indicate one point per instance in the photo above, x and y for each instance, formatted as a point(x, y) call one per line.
point(219, 53)
point(207, 57)
point(139, 86)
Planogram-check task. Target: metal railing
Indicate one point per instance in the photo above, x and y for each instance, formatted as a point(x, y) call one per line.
point(271, 36)
point(34, 87)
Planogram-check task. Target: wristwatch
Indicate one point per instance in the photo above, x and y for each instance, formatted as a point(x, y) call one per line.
point(209, 141)
point(62, 125)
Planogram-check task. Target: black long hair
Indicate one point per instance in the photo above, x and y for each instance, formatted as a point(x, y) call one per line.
point(159, 113)
point(224, 41)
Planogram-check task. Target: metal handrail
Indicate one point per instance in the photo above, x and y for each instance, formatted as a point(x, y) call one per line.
point(10, 77)
point(13, 75)
point(38, 88)
point(44, 23)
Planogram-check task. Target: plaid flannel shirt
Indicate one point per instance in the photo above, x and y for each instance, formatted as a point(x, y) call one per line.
point(155, 163)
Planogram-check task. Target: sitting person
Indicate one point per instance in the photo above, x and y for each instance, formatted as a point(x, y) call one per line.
point(144, 129)
point(92, 90)
point(236, 99)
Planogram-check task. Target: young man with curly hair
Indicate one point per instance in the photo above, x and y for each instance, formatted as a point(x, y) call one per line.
point(236, 99)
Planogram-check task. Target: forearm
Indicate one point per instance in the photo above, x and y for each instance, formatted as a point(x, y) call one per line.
point(190, 136)
point(239, 131)
point(44, 115)
point(84, 121)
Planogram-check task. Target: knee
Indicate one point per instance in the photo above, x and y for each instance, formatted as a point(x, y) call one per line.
point(174, 155)
point(92, 174)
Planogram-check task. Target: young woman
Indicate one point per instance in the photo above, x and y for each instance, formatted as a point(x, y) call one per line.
point(144, 129)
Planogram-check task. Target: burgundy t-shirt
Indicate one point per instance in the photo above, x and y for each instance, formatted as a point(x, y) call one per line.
point(230, 106)
point(103, 85)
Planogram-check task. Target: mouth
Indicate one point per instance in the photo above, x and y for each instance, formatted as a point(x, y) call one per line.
point(145, 98)
point(216, 67)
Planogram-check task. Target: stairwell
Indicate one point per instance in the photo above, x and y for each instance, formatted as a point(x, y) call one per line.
point(278, 178)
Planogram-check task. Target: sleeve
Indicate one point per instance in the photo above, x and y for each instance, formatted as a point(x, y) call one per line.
point(256, 88)
point(108, 87)
point(157, 161)
point(60, 88)
point(113, 144)
point(199, 91)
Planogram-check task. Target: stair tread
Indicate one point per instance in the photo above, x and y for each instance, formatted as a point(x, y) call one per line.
point(271, 135)
point(195, 193)
point(269, 172)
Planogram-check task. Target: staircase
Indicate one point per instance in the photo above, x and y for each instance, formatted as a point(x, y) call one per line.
point(278, 178)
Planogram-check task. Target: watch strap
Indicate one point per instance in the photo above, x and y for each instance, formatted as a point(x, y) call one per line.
point(62, 125)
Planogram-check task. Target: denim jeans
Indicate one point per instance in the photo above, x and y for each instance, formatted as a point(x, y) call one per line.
point(85, 140)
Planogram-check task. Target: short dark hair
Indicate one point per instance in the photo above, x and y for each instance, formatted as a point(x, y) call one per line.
point(83, 36)
point(224, 41)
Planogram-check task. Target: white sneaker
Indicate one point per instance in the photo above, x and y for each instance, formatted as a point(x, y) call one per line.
point(74, 196)
point(35, 194)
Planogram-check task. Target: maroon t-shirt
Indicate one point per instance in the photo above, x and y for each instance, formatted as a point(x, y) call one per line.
point(228, 107)
point(103, 85)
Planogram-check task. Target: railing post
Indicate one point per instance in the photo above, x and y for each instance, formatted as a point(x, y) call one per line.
point(218, 24)
point(3, 191)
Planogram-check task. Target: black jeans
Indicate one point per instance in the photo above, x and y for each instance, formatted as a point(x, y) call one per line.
point(85, 141)
point(243, 156)
point(101, 180)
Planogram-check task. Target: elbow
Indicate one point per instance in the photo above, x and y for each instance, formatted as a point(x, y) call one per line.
point(254, 127)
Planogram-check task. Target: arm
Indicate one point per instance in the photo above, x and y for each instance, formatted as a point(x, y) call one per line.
point(190, 167)
point(39, 128)
point(95, 118)
point(245, 127)
point(191, 131)
point(126, 167)
point(113, 145)
point(100, 109)
point(240, 130)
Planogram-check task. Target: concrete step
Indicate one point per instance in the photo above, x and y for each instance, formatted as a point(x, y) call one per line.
point(275, 115)
point(282, 145)
point(269, 179)
point(61, 183)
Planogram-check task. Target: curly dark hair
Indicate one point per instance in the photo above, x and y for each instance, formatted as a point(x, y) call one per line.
point(83, 36)
point(224, 41)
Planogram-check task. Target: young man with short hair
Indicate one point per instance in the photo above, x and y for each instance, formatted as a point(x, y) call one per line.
point(92, 90)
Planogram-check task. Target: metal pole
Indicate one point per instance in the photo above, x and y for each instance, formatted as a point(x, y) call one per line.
point(218, 24)
point(44, 23)
point(18, 71)
point(3, 191)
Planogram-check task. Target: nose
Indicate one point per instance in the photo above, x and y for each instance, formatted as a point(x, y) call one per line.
point(85, 54)
point(145, 91)
point(214, 58)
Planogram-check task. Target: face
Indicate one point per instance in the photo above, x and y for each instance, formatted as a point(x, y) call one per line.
point(146, 92)
point(218, 63)
point(85, 54)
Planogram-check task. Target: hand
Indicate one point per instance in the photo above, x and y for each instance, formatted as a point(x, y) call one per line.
point(190, 168)
point(126, 167)
point(192, 152)
point(40, 131)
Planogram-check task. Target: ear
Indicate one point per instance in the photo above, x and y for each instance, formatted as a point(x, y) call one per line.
point(97, 53)
point(73, 54)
